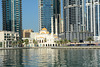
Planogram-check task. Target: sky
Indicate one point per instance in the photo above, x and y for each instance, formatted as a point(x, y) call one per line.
point(29, 15)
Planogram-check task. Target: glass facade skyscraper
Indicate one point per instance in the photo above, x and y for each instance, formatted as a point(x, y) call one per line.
point(49, 9)
point(93, 17)
point(12, 15)
point(74, 15)
point(74, 20)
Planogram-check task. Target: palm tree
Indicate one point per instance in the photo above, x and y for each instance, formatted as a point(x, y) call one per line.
point(0, 44)
point(57, 42)
point(45, 40)
point(65, 41)
point(26, 42)
point(61, 42)
point(4, 45)
point(69, 40)
point(90, 39)
point(14, 43)
point(19, 42)
point(75, 40)
point(35, 42)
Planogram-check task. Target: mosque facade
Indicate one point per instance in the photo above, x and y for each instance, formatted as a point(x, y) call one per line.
point(43, 39)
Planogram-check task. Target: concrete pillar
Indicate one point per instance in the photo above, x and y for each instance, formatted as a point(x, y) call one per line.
point(5, 44)
point(8, 44)
point(2, 44)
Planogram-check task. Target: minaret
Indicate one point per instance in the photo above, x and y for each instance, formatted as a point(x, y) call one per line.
point(56, 29)
point(52, 26)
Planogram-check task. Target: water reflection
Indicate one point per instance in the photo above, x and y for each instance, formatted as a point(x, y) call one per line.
point(49, 58)
point(11, 58)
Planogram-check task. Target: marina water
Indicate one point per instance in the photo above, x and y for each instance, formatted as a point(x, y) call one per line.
point(47, 57)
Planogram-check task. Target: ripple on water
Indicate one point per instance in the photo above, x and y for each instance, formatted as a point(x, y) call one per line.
point(49, 58)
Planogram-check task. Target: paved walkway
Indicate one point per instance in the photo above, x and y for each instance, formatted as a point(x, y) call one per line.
point(77, 47)
point(67, 47)
point(22, 48)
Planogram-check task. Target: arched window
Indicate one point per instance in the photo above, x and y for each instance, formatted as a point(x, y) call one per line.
point(40, 41)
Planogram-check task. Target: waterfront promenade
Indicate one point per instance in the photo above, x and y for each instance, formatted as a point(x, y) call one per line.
point(77, 47)
point(66, 47)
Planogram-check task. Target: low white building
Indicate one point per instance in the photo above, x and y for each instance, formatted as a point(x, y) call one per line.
point(43, 38)
point(6, 37)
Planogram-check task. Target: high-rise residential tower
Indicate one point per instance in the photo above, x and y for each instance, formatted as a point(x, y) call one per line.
point(74, 19)
point(12, 15)
point(74, 15)
point(49, 10)
point(93, 17)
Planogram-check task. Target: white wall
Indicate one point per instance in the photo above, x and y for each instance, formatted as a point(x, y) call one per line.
point(1, 36)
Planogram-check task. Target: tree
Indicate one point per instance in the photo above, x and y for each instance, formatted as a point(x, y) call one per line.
point(26, 42)
point(65, 41)
point(14, 43)
point(0, 44)
point(4, 45)
point(90, 39)
point(45, 40)
point(35, 42)
point(69, 40)
point(19, 42)
point(75, 40)
point(61, 42)
point(57, 42)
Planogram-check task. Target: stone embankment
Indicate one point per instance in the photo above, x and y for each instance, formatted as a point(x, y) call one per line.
point(67, 47)
point(78, 47)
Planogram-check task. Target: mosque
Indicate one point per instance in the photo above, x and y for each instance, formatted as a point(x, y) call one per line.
point(43, 39)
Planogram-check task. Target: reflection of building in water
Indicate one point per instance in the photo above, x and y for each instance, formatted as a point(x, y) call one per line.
point(81, 58)
point(12, 58)
point(47, 57)
point(43, 38)
point(44, 57)
point(90, 58)
point(1, 58)
point(68, 58)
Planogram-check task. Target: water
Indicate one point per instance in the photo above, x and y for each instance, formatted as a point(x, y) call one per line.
point(43, 57)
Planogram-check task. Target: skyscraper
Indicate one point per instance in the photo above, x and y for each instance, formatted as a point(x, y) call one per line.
point(49, 10)
point(74, 19)
point(93, 17)
point(73, 15)
point(12, 15)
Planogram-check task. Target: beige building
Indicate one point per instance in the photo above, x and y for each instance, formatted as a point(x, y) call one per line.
point(7, 37)
point(26, 33)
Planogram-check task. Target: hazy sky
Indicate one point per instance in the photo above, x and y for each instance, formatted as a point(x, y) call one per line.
point(29, 14)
